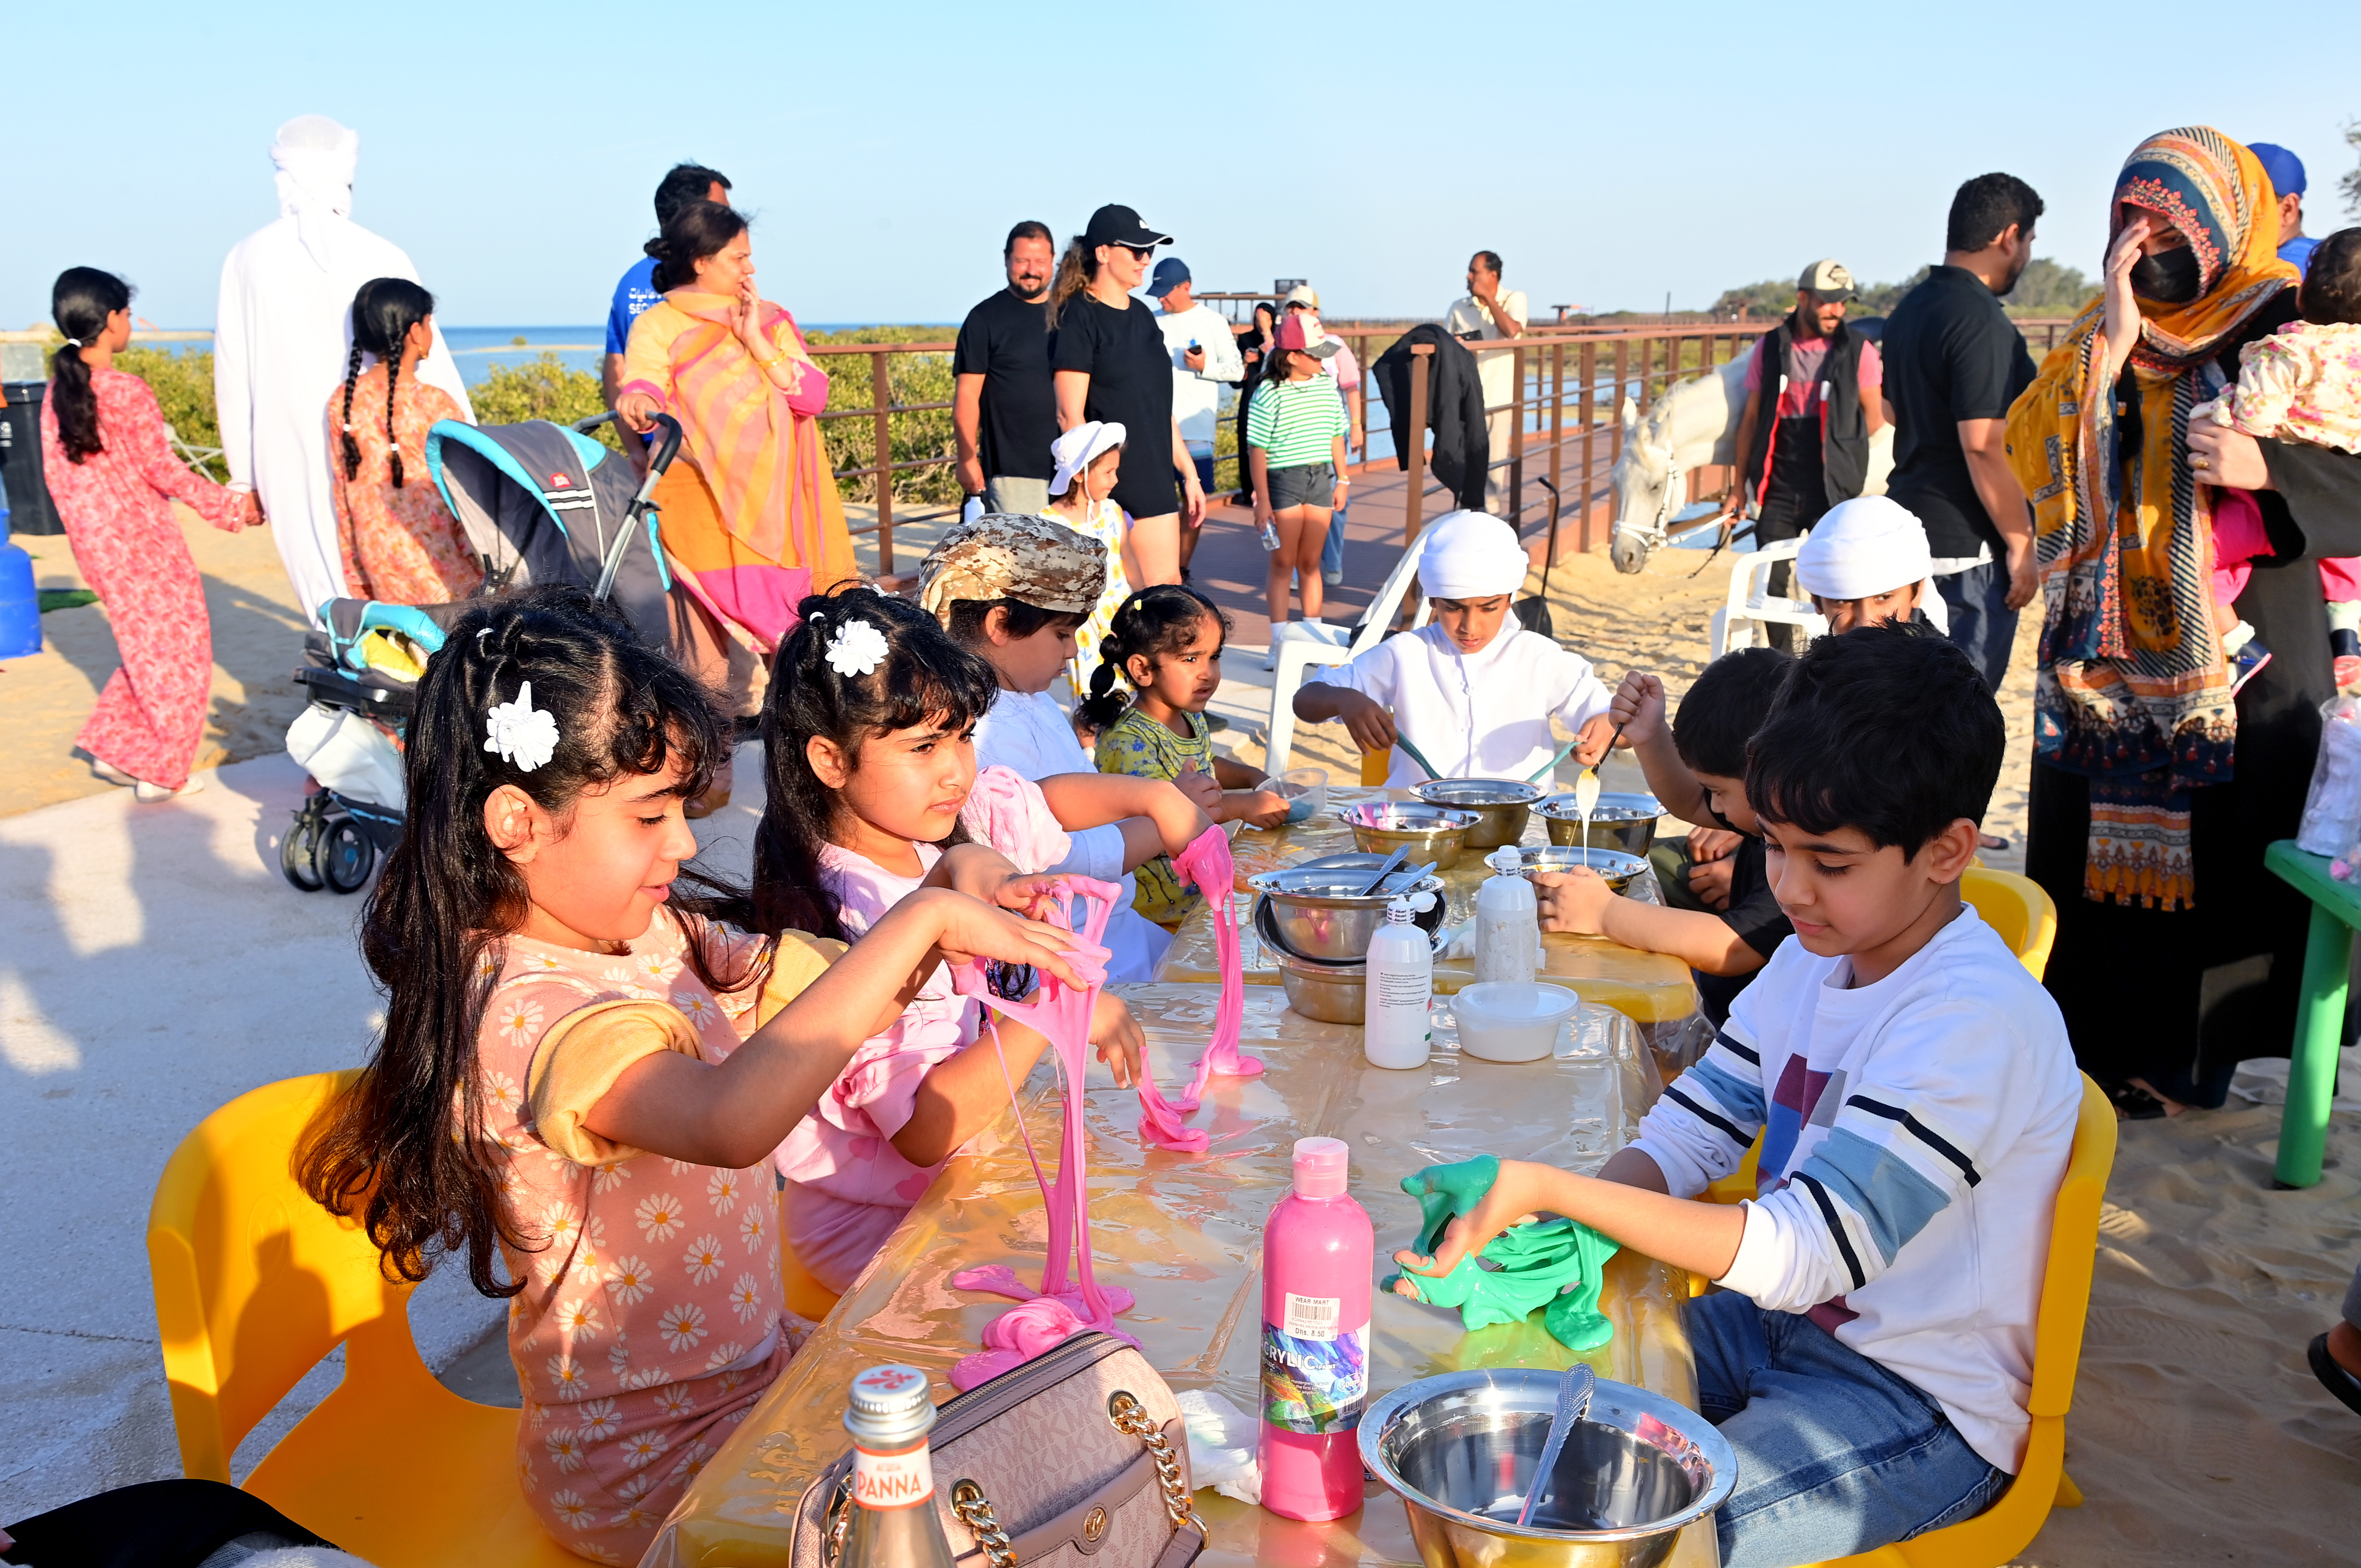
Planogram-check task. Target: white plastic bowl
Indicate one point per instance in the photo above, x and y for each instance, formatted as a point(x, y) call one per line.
point(1512, 1020)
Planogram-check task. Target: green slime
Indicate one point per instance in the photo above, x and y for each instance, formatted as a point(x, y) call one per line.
point(1558, 1265)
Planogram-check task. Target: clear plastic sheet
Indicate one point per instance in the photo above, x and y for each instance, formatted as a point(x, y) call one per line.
point(1183, 1232)
point(1652, 988)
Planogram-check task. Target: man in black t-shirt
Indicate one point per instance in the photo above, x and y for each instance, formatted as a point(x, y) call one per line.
point(1003, 408)
point(1954, 363)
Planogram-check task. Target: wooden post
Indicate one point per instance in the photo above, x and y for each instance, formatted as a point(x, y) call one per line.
point(1517, 441)
point(1420, 367)
point(1557, 435)
point(1589, 373)
point(882, 385)
point(1615, 402)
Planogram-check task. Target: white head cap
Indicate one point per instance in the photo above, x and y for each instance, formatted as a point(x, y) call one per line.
point(1471, 555)
point(1075, 450)
point(1869, 545)
point(315, 157)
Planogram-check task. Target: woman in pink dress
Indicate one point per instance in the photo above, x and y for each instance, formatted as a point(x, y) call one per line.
point(115, 479)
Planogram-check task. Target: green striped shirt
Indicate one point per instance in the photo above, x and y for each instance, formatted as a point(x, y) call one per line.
point(1295, 421)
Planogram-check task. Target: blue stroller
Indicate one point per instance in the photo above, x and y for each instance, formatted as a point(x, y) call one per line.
point(540, 503)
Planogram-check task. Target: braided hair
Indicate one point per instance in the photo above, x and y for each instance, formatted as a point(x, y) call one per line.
point(383, 313)
point(80, 303)
point(924, 678)
point(405, 1148)
point(1151, 623)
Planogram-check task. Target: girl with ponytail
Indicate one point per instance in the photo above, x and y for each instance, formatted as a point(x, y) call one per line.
point(399, 543)
point(114, 479)
point(585, 1065)
point(1167, 643)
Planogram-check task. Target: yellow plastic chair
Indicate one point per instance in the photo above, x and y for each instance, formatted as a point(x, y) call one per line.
point(255, 1283)
point(1374, 766)
point(1998, 1534)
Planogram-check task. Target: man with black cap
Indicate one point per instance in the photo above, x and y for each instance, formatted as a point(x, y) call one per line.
point(1810, 450)
point(1109, 364)
point(2286, 170)
point(1004, 413)
point(1205, 357)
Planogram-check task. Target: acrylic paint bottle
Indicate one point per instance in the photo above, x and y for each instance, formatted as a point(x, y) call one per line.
point(1318, 1255)
point(1397, 1030)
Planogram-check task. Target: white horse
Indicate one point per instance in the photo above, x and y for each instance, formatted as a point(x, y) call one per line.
point(1693, 424)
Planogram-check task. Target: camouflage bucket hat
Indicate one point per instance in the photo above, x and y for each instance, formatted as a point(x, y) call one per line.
point(1003, 555)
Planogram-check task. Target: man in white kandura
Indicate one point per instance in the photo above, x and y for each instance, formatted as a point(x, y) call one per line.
point(1473, 690)
point(281, 333)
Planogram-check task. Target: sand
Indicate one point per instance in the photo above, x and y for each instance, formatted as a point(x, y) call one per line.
point(2198, 1434)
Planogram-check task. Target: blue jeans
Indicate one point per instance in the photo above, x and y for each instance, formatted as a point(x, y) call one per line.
point(1332, 554)
point(1983, 626)
point(1835, 1453)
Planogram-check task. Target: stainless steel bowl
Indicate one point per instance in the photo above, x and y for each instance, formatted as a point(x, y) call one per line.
point(1616, 868)
point(1431, 832)
point(1620, 821)
point(1461, 1450)
point(1503, 805)
point(1320, 913)
point(1333, 993)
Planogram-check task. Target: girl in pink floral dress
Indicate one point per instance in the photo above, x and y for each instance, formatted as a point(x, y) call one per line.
point(115, 479)
point(401, 544)
point(583, 1069)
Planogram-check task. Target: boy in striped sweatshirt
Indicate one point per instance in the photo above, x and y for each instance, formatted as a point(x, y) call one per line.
point(1871, 1348)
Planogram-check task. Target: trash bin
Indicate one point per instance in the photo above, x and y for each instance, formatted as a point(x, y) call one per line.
point(29, 507)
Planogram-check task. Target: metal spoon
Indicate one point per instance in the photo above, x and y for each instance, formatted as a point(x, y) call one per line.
point(1574, 1391)
point(1401, 852)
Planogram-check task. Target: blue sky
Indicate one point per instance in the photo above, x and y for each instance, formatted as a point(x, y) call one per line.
point(1611, 155)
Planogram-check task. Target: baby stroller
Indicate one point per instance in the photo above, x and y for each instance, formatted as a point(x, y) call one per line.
point(540, 503)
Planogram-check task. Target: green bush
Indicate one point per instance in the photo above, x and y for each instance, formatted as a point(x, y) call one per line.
point(543, 389)
point(925, 433)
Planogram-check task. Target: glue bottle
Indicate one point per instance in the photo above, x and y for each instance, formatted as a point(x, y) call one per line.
point(1508, 922)
point(1400, 985)
point(1318, 1254)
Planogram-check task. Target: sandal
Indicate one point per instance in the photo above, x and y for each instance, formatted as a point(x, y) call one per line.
point(2332, 1377)
point(2134, 1104)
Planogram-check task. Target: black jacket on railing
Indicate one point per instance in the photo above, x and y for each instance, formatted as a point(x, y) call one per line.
point(1454, 410)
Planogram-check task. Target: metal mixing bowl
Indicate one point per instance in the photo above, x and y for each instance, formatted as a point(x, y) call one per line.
point(1503, 805)
point(1431, 832)
point(1616, 868)
point(1620, 821)
point(1333, 993)
point(1321, 913)
point(1461, 1449)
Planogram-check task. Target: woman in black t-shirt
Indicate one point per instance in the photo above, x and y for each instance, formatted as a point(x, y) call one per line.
point(1110, 364)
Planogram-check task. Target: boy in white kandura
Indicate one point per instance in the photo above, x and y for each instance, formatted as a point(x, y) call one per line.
point(1871, 1348)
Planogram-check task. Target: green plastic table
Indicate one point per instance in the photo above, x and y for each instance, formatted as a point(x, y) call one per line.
point(2320, 1010)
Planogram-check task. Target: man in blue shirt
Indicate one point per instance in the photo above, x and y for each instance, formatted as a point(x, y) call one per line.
point(2286, 170)
point(684, 182)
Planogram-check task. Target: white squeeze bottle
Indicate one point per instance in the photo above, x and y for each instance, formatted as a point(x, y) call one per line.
point(1399, 982)
point(1507, 924)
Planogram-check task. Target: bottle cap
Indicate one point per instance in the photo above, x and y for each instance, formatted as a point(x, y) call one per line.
point(1399, 912)
point(1505, 859)
point(889, 1404)
point(1320, 1167)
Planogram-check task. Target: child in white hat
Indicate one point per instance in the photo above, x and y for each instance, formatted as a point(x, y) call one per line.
point(1473, 691)
point(1867, 561)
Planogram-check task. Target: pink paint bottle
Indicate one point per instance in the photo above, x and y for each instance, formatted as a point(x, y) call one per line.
point(1318, 1254)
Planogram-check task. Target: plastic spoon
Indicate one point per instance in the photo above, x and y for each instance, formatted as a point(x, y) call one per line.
point(1536, 775)
point(1401, 852)
point(1574, 1391)
point(1418, 756)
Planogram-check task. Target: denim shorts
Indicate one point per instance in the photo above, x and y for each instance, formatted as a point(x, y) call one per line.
point(1305, 484)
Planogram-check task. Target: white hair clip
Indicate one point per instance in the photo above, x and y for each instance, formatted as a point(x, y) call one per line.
point(522, 733)
point(857, 648)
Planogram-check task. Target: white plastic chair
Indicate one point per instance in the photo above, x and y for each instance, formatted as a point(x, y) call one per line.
point(1752, 607)
point(1300, 652)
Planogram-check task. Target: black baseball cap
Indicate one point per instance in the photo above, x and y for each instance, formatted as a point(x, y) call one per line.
point(1112, 225)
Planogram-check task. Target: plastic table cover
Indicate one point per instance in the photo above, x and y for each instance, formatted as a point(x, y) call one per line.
point(1653, 989)
point(1183, 1232)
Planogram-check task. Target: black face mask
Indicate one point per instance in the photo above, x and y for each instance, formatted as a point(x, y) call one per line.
point(2170, 277)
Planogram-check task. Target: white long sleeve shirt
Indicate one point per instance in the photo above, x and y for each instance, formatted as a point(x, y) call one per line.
point(1197, 394)
point(1028, 733)
point(1913, 1135)
point(1484, 715)
point(282, 328)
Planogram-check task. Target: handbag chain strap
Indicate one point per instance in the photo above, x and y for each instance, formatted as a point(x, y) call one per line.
point(974, 1510)
point(1130, 1417)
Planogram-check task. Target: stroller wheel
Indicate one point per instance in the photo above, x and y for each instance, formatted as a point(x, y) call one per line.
point(346, 855)
point(298, 852)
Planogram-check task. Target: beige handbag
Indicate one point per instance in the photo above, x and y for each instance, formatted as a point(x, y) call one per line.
point(1077, 1459)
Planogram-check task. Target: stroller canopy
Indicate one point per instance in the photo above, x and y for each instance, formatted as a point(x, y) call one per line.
point(544, 504)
